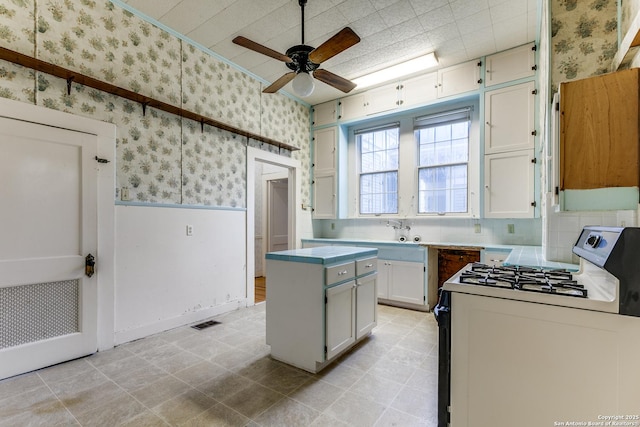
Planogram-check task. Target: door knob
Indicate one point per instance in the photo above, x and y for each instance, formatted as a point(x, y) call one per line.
point(89, 265)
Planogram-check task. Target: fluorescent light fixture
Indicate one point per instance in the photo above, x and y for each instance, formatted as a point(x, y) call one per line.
point(396, 71)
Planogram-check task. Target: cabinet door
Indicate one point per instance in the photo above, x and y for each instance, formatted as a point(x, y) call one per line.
point(353, 106)
point(324, 196)
point(458, 79)
point(509, 182)
point(325, 113)
point(406, 282)
point(419, 90)
point(383, 278)
point(366, 305)
point(324, 150)
point(340, 318)
point(381, 99)
point(512, 64)
point(599, 131)
point(509, 118)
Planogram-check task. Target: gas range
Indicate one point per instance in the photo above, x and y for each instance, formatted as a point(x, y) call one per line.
point(608, 279)
point(553, 282)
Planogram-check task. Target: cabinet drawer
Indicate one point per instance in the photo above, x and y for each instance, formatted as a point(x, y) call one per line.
point(367, 265)
point(340, 272)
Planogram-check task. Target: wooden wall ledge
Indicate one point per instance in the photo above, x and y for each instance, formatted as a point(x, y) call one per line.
point(75, 77)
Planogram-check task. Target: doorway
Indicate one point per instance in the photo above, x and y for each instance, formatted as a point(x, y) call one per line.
point(269, 176)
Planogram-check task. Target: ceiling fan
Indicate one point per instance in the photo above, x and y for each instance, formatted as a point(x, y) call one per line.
point(303, 59)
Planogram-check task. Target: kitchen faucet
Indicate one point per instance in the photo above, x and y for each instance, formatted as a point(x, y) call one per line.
point(397, 225)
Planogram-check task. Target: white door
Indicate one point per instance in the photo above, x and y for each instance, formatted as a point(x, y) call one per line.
point(406, 282)
point(48, 224)
point(366, 305)
point(509, 182)
point(277, 217)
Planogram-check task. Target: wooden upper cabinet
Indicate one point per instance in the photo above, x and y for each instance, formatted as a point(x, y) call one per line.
point(599, 131)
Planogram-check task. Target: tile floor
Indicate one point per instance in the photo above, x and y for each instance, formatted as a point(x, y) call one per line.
point(223, 376)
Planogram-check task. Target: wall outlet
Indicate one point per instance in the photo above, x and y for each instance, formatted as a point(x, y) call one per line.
point(511, 228)
point(477, 228)
point(189, 230)
point(124, 194)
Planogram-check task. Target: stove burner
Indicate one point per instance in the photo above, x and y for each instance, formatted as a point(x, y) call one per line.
point(557, 282)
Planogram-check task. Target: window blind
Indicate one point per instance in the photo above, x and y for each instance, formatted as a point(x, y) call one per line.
point(452, 116)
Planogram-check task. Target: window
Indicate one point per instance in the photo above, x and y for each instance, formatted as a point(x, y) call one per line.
point(443, 161)
point(378, 169)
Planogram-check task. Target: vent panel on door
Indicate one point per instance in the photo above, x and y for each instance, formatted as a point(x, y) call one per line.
point(32, 313)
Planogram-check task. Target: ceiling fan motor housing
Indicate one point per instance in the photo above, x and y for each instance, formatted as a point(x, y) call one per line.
point(300, 59)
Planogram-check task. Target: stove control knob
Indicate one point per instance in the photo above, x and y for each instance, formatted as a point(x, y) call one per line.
point(594, 240)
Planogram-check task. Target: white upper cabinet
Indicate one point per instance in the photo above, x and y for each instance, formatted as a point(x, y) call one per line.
point(419, 90)
point(324, 149)
point(512, 64)
point(326, 113)
point(509, 118)
point(373, 101)
point(459, 78)
point(509, 185)
point(324, 196)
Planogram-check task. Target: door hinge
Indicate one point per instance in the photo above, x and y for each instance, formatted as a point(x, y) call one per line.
point(534, 68)
point(326, 300)
point(534, 92)
point(534, 204)
point(479, 63)
point(534, 48)
point(99, 160)
point(557, 106)
point(534, 160)
point(557, 191)
point(325, 349)
point(534, 132)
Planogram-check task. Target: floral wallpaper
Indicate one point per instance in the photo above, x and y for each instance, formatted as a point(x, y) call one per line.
point(160, 157)
point(584, 38)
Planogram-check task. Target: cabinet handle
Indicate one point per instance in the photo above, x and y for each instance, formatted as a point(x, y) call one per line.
point(368, 266)
point(341, 273)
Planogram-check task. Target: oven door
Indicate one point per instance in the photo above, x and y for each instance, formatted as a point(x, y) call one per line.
point(442, 312)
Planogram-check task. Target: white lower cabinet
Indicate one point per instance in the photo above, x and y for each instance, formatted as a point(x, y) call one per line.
point(401, 281)
point(366, 305)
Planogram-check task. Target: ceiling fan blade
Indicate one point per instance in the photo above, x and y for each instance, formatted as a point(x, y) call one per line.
point(278, 84)
point(334, 80)
point(342, 40)
point(257, 47)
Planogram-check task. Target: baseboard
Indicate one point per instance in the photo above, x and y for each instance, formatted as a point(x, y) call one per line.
point(122, 337)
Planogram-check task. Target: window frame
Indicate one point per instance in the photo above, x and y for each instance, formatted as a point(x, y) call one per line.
point(408, 161)
point(434, 120)
point(389, 125)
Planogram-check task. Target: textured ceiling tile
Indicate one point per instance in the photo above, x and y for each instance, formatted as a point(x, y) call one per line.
point(424, 6)
point(407, 30)
point(463, 8)
point(328, 22)
point(353, 9)
point(154, 8)
point(442, 35)
point(381, 4)
point(397, 13)
point(436, 18)
point(507, 10)
point(475, 23)
point(189, 14)
point(368, 25)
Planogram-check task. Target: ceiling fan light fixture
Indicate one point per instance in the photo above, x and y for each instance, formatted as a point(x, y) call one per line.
point(303, 84)
point(411, 66)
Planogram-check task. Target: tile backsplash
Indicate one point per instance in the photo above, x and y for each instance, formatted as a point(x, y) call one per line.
point(439, 230)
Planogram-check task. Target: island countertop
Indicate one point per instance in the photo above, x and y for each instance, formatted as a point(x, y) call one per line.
point(323, 254)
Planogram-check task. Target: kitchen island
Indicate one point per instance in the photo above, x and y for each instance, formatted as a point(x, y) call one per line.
point(320, 302)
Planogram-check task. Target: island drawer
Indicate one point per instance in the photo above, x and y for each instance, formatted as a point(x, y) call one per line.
point(366, 265)
point(340, 272)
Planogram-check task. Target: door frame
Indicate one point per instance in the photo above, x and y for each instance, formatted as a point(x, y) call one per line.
point(106, 149)
point(293, 167)
point(267, 203)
